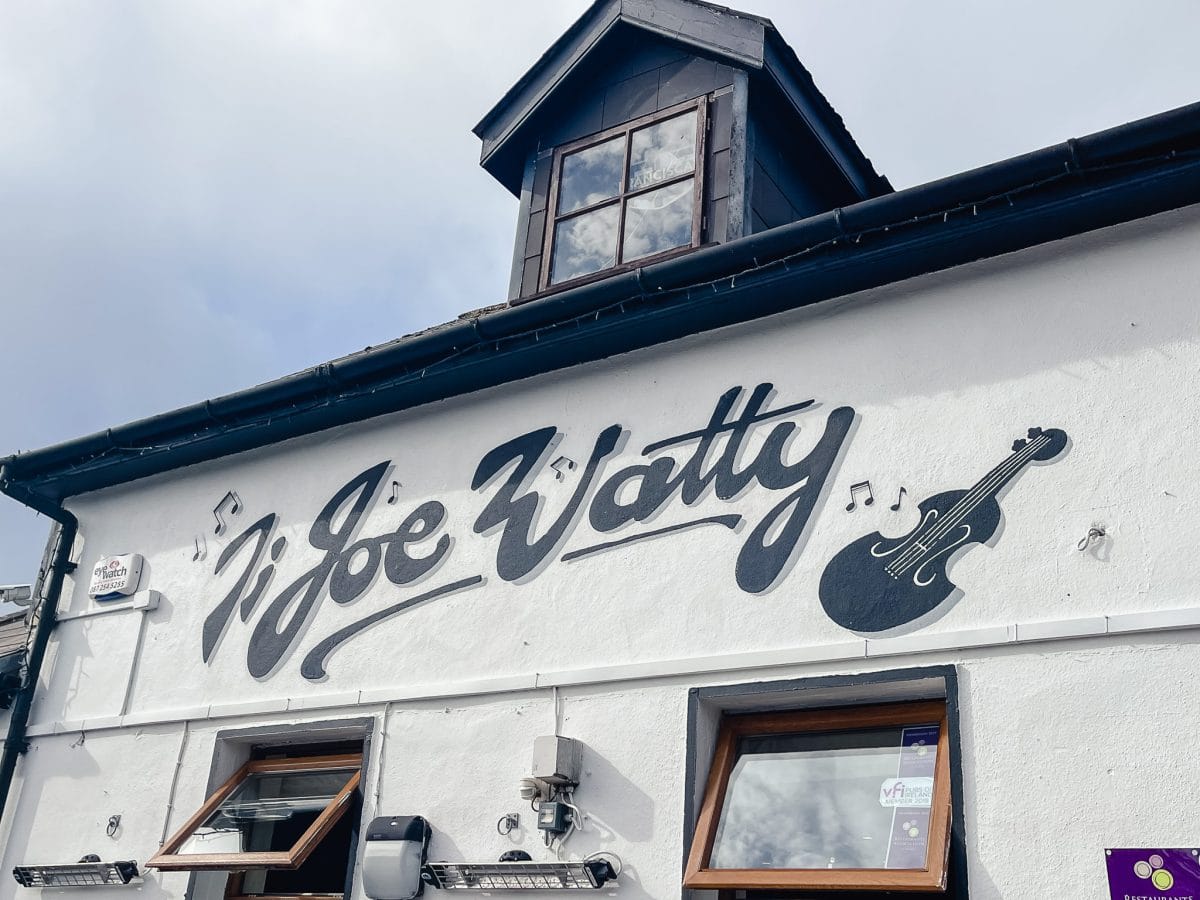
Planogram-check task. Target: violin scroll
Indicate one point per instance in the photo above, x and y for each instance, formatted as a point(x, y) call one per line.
point(1055, 442)
point(1050, 442)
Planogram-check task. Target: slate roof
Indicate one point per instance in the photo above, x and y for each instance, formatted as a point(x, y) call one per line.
point(13, 632)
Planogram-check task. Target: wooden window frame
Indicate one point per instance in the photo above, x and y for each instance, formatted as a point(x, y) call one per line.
point(932, 877)
point(169, 859)
point(700, 104)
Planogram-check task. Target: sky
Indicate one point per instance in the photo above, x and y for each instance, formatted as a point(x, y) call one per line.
point(203, 195)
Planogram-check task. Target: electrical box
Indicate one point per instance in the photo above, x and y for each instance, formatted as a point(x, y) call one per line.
point(396, 849)
point(557, 760)
point(553, 817)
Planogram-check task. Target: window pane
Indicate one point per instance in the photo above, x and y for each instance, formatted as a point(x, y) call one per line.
point(849, 800)
point(663, 151)
point(658, 220)
point(246, 820)
point(324, 872)
point(591, 175)
point(584, 244)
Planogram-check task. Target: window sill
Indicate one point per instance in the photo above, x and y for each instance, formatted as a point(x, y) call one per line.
point(608, 273)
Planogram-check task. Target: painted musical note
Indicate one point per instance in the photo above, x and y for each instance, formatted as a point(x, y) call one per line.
point(895, 507)
point(395, 492)
point(562, 460)
point(234, 502)
point(201, 548)
point(855, 490)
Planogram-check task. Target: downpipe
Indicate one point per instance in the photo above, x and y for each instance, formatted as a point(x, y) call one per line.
point(49, 588)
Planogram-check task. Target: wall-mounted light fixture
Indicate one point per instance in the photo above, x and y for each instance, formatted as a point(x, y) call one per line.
point(85, 873)
point(20, 594)
point(519, 876)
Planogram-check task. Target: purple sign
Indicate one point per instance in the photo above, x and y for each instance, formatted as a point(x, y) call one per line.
point(1154, 874)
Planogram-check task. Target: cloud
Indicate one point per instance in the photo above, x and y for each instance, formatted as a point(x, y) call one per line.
point(199, 196)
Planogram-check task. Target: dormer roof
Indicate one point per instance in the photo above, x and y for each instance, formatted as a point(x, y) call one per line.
point(735, 38)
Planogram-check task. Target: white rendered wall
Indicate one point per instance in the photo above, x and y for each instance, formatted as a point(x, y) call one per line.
point(1086, 736)
point(1067, 749)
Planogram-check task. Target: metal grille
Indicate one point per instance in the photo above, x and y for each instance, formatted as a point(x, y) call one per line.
point(511, 876)
point(76, 874)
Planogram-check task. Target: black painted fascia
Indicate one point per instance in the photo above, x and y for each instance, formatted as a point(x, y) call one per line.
point(1124, 173)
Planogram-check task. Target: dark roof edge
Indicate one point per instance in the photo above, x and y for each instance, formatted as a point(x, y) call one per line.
point(772, 58)
point(796, 83)
point(1123, 173)
point(543, 62)
point(576, 30)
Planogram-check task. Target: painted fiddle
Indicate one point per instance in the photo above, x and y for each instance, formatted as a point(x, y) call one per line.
point(878, 583)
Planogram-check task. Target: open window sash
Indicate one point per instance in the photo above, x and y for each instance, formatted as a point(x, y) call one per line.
point(224, 833)
point(839, 730)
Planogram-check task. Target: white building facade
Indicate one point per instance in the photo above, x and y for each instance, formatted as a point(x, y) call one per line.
point(631, 549)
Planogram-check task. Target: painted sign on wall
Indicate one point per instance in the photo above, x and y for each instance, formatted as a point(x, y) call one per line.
point(733, 454)
point(876, 583)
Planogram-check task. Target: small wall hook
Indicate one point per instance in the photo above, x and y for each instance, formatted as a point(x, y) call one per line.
point(1095, 533)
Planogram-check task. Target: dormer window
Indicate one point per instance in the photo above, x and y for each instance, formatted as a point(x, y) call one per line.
point(627, 194)
point(650, 129)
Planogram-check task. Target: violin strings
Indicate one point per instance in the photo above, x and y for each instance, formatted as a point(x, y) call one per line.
point(966, 505)
point(961, 509)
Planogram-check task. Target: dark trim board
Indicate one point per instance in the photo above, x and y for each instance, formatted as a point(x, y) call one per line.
point(1125, 173)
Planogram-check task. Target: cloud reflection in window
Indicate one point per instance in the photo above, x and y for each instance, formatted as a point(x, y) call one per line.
point(584, 244)
point(808, 809)
point(659, 220)
point(663, 151)
point(591, 175)
point(655, 199)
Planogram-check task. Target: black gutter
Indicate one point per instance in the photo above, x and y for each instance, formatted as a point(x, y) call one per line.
point(15, 743)
point(1124, 173)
